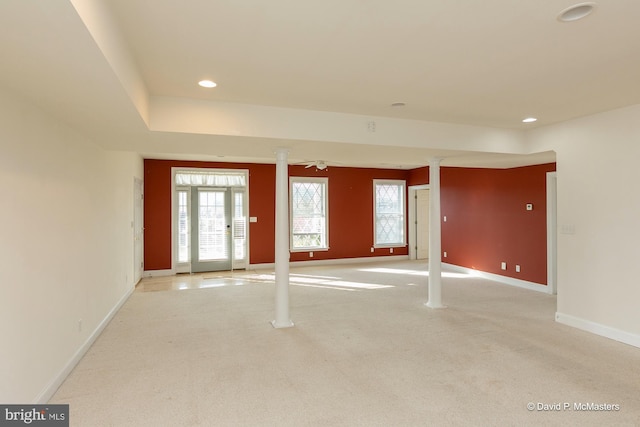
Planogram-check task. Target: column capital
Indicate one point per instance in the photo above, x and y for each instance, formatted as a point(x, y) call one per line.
point(436, 161)
point(281, 151)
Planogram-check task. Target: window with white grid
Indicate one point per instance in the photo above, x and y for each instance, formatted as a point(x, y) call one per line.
point(309, 214)
point(184, 227)
point(389, 212)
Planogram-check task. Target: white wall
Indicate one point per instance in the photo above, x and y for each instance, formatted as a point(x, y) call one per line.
point(66, 246)
point(598, 174)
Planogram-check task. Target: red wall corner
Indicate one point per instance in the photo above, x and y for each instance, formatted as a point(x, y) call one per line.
point(487, 221)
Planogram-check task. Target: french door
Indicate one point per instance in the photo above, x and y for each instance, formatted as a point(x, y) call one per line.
point(210, 229)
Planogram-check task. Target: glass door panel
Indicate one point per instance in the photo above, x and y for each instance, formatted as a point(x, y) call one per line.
point(211, 229)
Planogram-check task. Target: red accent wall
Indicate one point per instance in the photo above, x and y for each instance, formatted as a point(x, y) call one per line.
point(157, 209)
point(350, 210)
point(487, 221)
point(418, 176)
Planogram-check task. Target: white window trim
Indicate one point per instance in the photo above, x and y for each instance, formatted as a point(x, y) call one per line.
point(402, 183)
point(181, 267)
point(174, 210)
point(324, 181)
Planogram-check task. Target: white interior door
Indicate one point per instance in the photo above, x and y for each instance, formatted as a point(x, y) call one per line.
point(422, 224)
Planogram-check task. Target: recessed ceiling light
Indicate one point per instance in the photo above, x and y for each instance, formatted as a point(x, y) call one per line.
point(398, 104)
point(576, 12)
point(529, 120)
point(207, 83)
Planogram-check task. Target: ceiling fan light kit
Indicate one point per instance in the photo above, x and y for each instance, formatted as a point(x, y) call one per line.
point(320, 165)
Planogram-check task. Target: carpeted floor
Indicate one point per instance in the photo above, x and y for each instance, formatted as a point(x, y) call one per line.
point(200, 351)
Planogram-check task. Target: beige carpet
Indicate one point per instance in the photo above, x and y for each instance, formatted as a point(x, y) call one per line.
point(364, 351)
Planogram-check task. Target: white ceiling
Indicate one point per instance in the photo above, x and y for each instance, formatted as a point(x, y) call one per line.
point(483, 64)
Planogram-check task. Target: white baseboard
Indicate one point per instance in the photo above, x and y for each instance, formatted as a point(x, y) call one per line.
point(502, 279)
point(332, 261)
point(48, 392)
point(598, 329)
point(158, 273)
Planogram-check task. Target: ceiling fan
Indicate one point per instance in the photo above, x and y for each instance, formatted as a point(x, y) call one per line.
point(318, 164)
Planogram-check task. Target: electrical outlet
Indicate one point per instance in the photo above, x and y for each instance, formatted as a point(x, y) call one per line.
point(390, 250)
point(503, 266)
point(445, 254)
point(310, 254)
point(517, 268)
point(372, 249)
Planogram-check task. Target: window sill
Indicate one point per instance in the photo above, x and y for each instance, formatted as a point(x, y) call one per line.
point(308, 250)
point(400, 245)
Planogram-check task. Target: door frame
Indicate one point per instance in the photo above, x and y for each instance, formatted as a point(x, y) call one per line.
point(174, 209)
point(412, 218)
point(138, 227)
point(552, 232)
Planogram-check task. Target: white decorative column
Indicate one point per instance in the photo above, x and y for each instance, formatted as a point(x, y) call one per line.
point(435, 235)
point(282, 241)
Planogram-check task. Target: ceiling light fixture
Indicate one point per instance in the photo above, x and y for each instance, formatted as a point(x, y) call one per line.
point(529, 120)
point(398, 104)
point(207, 83)
point(576, 12)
